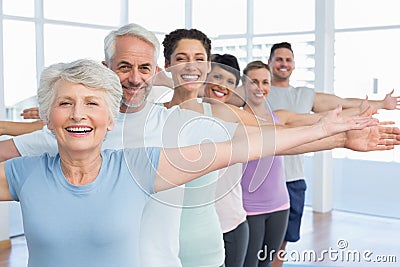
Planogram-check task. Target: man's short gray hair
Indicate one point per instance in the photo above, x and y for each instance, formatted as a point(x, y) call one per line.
point(87, 72)
point(134, 30)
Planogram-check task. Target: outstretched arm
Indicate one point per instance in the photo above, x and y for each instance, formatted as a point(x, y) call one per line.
point(231, 113)
point(228, 112)
point(324, 102)
point(13, 128)
point(371, 138)
point(290, 118)
point(181, 165)
point(8, 150)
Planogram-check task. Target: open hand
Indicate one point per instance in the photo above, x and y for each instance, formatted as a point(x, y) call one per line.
point(373, 138)
point(391, 102)
point(333, 122)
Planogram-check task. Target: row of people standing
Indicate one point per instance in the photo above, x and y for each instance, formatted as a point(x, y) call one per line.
point(267, 207)
point(192, 50)
point(200, 236)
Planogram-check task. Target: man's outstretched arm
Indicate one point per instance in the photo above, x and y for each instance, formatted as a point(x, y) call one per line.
point(8, 150)
point(13, 128)
point(324, 102)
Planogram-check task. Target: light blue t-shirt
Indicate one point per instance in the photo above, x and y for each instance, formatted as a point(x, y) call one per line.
point(157, 126)
point(96, 224)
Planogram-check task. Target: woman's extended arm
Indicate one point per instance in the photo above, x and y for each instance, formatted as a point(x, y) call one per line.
point(231, 113)
point(228, 112)
point(181, 165)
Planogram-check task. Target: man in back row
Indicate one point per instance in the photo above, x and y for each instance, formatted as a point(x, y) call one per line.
point(302, 100)
point(284, 96)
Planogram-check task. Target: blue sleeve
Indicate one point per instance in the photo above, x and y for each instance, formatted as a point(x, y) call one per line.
point(17, 170)
point(143, 164)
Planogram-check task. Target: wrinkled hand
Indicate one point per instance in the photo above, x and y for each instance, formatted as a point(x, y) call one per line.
point(373, 138)
point(31, 113)
point(333, 122)
point(391, 102)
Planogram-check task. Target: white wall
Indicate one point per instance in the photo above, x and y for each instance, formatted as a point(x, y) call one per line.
point(4, 227)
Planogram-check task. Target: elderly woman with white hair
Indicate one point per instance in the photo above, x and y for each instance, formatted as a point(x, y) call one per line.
point(82, 207)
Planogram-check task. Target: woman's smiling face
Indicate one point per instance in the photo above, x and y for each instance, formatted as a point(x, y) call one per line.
point(257, 83)
point(79, 116)
point(188, 65)
point(220, 84)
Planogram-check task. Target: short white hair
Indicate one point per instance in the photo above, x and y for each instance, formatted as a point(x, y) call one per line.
point(134, 30)
point(87, 72)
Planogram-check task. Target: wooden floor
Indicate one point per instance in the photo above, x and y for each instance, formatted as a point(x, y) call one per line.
point(17, 256)
point(361, 234)
point(345, 233)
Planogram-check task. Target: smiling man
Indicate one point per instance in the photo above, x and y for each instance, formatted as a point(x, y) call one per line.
point(303, 100)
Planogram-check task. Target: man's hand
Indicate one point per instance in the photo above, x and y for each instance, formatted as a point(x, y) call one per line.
point(391, 102)
point(373, 138)
point(31, 113)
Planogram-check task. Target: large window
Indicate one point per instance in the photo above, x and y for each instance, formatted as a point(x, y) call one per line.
point(19, 60)
point(366, 59)
point(23, 8)
point(365, 64)
point(105, 12)
point(64, 32)
point(159, 16)
point(64, 43)
point(366, 13)
point(283, 16)
point(222, 17)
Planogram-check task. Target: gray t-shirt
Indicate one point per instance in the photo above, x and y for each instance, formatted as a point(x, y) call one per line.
point(299, 100)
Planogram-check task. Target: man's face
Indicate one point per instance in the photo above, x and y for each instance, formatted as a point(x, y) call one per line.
point(282, 64)
point(134, 63)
